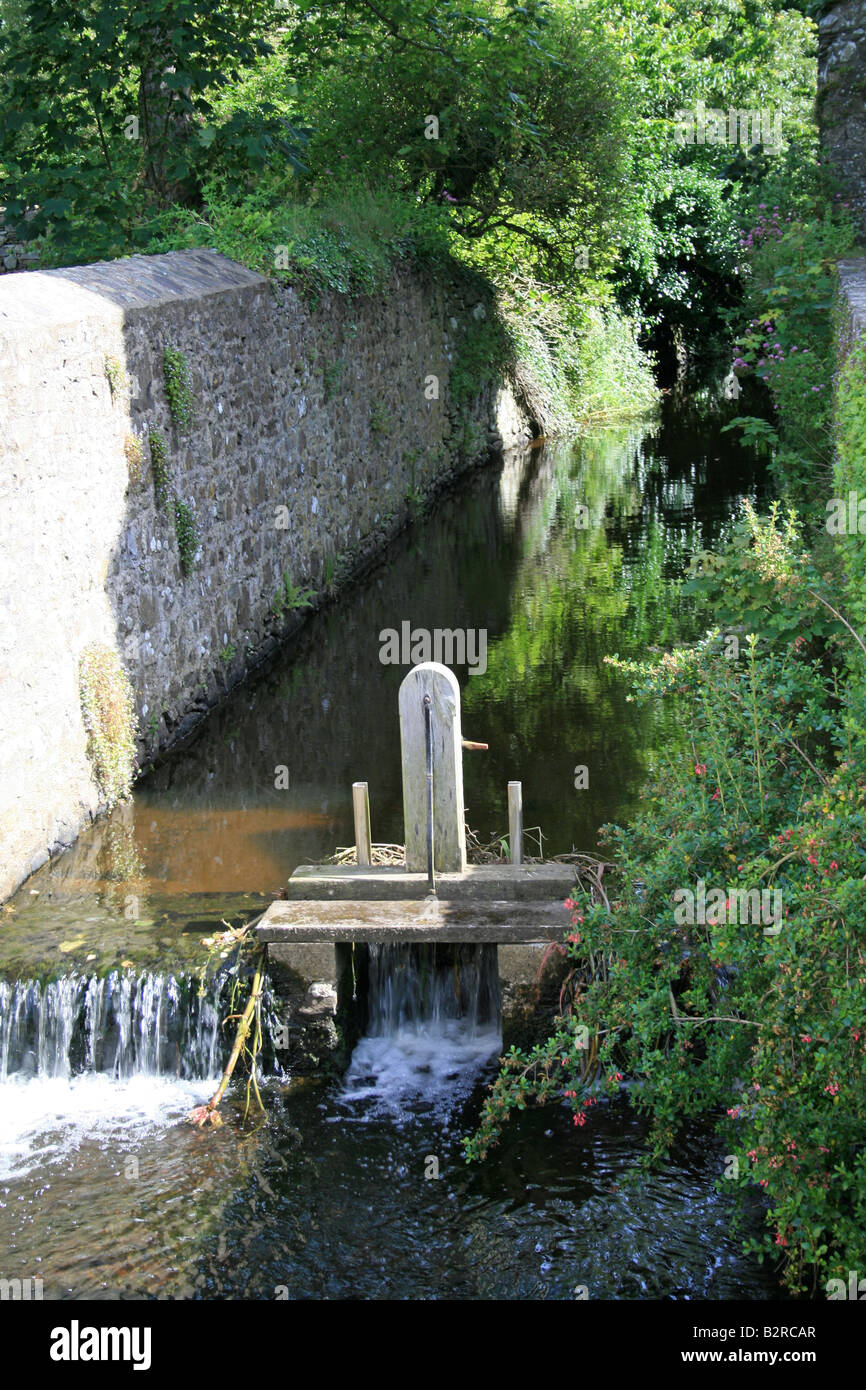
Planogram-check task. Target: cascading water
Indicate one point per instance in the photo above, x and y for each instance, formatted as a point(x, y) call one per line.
point(434, 1022)
point(121, 1024)
point(83, 1054)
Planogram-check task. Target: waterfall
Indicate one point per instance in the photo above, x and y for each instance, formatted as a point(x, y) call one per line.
point(121, 1025)
point(433, 1025)
point(108, 1059)
point(427, 987)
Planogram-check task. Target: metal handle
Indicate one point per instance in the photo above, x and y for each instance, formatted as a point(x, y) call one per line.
point(428, 745)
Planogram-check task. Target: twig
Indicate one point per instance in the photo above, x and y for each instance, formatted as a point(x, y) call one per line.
point(207, 1114)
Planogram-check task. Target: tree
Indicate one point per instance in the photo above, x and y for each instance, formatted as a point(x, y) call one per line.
point(105, 108)
point(510, 115)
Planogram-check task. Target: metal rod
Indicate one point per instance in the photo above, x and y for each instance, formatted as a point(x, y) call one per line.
point(428, 745)
point(515, 821)
point(361, 808)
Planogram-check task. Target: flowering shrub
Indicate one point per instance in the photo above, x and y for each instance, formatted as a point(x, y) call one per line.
point(763, 1028)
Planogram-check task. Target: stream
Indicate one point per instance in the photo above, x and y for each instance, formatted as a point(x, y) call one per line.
point(357, 1188)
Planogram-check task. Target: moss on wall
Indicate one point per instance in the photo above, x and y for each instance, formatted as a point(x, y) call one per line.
point(108, 710)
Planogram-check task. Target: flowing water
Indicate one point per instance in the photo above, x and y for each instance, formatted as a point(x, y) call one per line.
point(358, 1188)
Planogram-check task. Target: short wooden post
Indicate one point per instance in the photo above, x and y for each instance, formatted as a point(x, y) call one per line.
point(449, 829)
point(361, 807)
point(515, 821)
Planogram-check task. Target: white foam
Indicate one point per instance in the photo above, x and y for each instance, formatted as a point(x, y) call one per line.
point(429, 1064)
point(44, 1119)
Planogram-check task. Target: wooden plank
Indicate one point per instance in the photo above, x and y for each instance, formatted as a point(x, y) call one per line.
point(427, 919)
point(449, 829)
point(478, 883)
point(361, 809)
point(515, 821)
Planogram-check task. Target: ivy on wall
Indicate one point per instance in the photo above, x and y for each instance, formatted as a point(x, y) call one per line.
point(178, 389)
point(187, 535)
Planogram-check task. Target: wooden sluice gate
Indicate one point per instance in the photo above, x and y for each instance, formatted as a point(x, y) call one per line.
point(317, 937)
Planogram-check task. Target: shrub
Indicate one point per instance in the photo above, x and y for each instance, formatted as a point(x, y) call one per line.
point(757, 1026)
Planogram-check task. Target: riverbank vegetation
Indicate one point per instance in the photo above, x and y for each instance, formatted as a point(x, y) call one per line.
point(719, 963)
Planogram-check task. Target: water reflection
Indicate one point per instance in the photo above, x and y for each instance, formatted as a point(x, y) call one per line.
point(564, 553)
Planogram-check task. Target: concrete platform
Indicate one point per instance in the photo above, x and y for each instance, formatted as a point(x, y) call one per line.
point(332, 909)
point(477, 883)
point(413, 919)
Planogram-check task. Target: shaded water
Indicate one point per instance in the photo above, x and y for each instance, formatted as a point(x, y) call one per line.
point(564, 555)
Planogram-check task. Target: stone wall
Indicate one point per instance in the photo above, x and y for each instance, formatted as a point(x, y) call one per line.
point(315, 432)
point(842, 96)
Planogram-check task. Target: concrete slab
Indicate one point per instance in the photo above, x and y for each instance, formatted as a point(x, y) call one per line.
point(477, 883)
point(413, 919)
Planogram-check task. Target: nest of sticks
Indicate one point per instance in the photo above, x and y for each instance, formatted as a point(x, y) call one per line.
point(588, 868)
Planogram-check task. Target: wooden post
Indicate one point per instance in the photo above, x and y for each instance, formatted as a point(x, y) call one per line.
point(449, 830)
point(363, 838)
point(515, 821)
